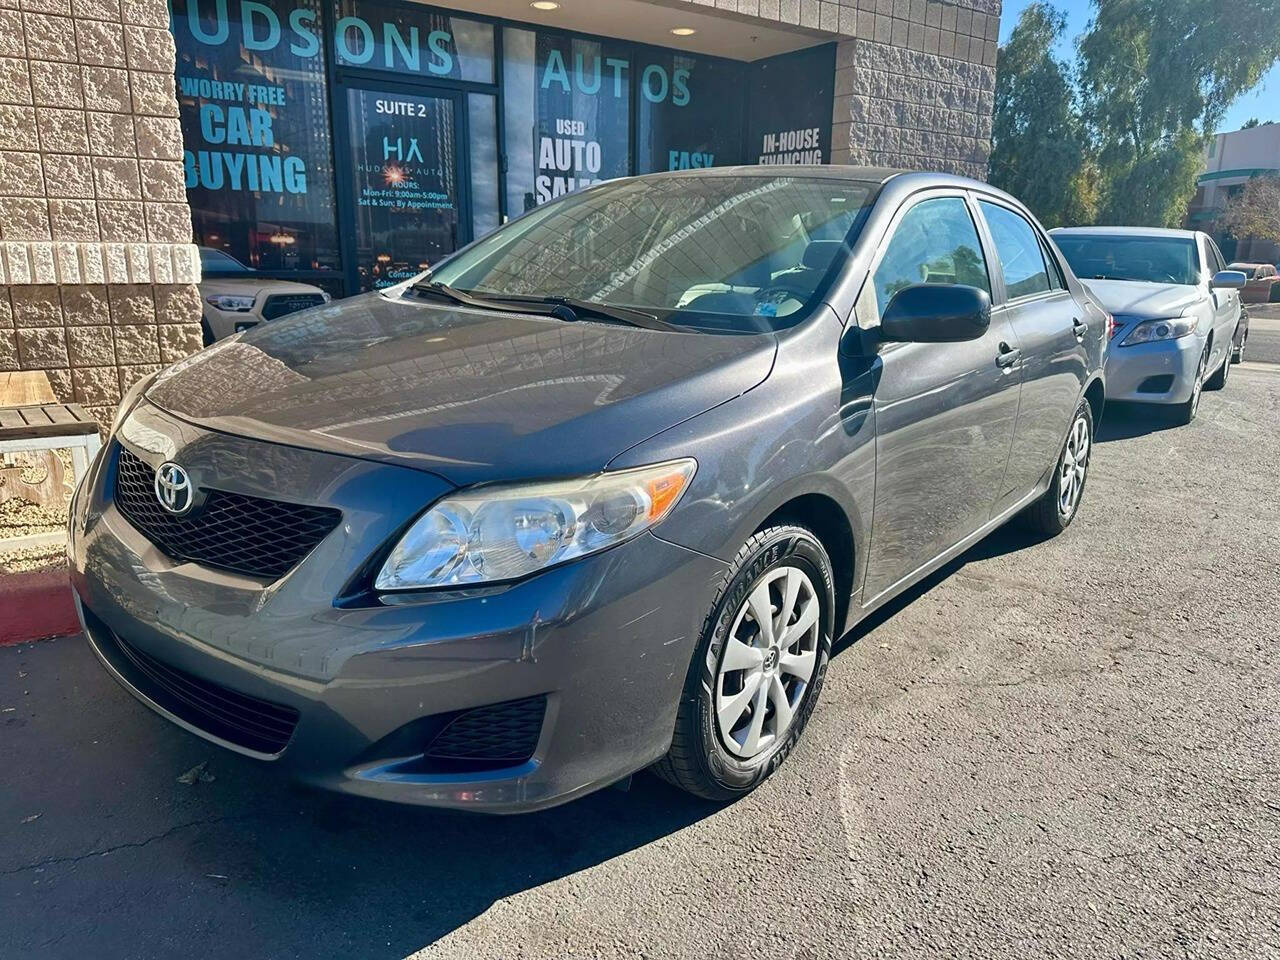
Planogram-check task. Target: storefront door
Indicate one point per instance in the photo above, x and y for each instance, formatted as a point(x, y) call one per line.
point(403, 201)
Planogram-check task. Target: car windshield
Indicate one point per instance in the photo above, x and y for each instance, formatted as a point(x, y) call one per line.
point(215, 261)
point(719, 253)
point(1145, 259)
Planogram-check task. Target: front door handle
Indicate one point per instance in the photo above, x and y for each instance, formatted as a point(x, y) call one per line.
point(1007, 356)
point(1079, 327)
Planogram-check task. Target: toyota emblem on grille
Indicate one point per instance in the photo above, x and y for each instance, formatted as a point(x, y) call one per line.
point(173, 488)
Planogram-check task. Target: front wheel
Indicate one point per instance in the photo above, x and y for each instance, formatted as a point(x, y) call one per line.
point(1219, 378)
point(1053, 512)
point(1184, 413)
point(758, 667)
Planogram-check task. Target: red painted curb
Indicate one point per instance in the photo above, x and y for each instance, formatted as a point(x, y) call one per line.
point(36, 605)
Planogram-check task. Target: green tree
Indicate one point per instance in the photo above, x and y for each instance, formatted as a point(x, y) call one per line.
point(1249, 124)
point(1156, 77)
point(1255, 210)
point(1038, 149)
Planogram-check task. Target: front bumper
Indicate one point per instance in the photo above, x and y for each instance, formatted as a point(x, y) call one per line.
point(1160, 372)
point(606, 641)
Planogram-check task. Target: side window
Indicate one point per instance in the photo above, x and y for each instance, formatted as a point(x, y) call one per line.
point(935, 242)
point(1216, 263)
point(1018, 250)
point(1056, 280)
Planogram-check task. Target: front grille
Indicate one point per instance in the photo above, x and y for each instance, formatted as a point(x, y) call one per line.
point(248, 722)
point(502, 733)
point(283, 304)
point(230, 531)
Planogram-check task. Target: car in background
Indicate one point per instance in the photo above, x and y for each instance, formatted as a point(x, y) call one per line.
point(1176, 308)
point(235, 297)
point(1260, 282)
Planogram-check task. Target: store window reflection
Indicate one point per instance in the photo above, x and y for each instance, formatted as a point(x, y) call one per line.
point(567, 112)
point(255, 129)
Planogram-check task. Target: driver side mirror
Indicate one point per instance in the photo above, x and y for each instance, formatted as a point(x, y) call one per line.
point(1227, 280)
point(936, 313)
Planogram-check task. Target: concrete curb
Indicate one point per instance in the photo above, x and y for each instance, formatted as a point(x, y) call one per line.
point(36, 605)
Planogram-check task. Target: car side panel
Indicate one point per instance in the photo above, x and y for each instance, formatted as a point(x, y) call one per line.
point(808, 429)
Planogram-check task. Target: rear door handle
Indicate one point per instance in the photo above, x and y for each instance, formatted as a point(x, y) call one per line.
point(1079, 327)
point(1007, 356)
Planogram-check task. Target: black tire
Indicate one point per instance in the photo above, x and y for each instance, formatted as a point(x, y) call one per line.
point(1237, 352)
point(698, 760)
point(206, 334)
point(1219, 378)
point(1046, 516)
point(1184, 413)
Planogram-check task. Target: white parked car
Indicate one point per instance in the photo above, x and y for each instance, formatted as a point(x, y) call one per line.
point(235, 297)
point(1176, 309)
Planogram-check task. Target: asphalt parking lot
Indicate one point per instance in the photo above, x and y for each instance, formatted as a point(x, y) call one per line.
point(1054, 749)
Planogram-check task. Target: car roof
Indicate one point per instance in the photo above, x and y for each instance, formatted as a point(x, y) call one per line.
point(1125, 232)
point(909, 180)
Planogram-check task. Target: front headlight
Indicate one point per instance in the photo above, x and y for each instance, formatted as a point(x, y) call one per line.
point(1150, 331)
point(230, 303)
point(504, 533)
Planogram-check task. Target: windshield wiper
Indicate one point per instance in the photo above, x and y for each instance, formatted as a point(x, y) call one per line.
point(590, 308)
point(460, 297)
point(566, 308)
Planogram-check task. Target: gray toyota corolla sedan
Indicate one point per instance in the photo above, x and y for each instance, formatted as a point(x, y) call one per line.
point(596, 493)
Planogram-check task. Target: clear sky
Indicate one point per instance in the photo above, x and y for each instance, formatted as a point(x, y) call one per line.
point(1263, 101)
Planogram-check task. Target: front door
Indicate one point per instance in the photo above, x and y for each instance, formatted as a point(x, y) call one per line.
point(944, 411)
point(404, 200)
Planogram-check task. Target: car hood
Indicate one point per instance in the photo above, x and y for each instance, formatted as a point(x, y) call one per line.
point(1130, 298)
point(470, 395)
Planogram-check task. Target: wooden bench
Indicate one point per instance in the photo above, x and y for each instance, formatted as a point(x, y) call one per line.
point(40, 428)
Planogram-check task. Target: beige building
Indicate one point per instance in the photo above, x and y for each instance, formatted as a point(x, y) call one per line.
point(98, 270)
point(346, 143)
point(1231, 159)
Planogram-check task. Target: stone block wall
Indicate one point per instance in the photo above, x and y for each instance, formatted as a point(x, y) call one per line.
point(97, 270)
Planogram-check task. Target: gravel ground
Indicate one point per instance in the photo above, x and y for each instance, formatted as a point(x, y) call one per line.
point(1055, 749)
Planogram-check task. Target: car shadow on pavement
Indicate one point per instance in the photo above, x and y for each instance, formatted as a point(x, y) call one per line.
point(1009, 538)
point(106, 853)
point(1124, 421)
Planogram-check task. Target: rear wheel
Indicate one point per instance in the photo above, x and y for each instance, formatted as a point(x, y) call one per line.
point(1053, 512)
point(1237, 355)
point(758, 667)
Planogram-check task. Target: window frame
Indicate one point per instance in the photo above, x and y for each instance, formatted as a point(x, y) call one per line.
point(1050, 263)
point(882, 244)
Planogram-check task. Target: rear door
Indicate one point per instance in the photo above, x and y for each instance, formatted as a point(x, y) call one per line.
point(944, 411)
point(1051, 328)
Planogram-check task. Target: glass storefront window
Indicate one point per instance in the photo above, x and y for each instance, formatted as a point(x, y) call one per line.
point(482, 113)
point(255, 128)
point(690, 112)
point(404, 183)
point(414, 40)
point(567, 113)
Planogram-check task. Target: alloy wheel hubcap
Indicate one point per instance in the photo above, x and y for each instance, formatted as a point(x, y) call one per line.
point(1074, 466)
point(768, 661)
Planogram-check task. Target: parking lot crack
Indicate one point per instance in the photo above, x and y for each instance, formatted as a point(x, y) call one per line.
point(106, 851)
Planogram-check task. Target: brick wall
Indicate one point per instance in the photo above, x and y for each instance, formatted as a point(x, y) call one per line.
point(97, 270)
